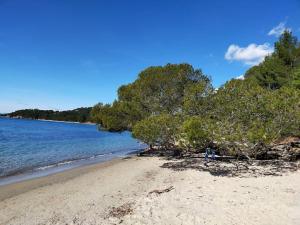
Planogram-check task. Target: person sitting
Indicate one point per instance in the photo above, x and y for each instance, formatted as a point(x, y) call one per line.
point(213, 154)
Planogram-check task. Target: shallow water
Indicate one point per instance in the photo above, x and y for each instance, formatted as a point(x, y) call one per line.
point(28, 146)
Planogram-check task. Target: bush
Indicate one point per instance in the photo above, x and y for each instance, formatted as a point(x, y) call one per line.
point(197, 131)
point(160, 130)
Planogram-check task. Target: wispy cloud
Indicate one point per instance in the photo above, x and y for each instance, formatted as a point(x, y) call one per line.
point(278, 30)
point(253, 54)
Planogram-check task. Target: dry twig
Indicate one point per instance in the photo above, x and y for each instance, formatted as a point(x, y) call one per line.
point(161, 191)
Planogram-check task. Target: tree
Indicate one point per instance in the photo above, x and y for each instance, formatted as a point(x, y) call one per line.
point(234, 108)
point(109, 117)
point(195, 98)
point(161, 89)
point(277, 69)
point(286, 48)
point(157, 90)
point(160, 130)
point(283, 110)
point(197, 131)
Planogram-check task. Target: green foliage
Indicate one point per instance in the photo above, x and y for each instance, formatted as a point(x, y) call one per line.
point(296, 78)
point(160, 89)
point(272, 73)
point(277, 70)
point(175, 104)
point(195, 98)
point(161, 130)
point(284, 111)
point(76, 115)
point(109, 117)
point(236, 106)
point(197, 131)
point(243, 113)
point(286, 48)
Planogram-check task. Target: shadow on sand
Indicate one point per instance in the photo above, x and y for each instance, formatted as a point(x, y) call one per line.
point(233, 168)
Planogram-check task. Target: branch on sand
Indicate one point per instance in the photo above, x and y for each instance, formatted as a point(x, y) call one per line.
point(161, 191)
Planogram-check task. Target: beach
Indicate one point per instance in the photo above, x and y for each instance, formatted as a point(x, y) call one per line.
point(140, 190)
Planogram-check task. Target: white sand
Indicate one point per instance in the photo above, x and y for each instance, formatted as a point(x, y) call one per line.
point(197, 198)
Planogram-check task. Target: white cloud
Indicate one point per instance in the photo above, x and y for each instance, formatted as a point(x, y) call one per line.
point(278, 30)
point(241, 77)
point(253, 54)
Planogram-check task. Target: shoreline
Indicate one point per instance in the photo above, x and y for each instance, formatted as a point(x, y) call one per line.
point(23, 186)
point(56, 121)
point(63, 121)
point(61, 167)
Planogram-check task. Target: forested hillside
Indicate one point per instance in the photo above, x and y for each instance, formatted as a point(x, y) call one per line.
point(176, 106)
point(76, 115)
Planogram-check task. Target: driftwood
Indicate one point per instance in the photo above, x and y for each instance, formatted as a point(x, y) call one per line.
point(217, 157)
point(161, 191)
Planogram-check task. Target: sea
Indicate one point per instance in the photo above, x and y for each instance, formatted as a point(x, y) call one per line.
point(35, 148)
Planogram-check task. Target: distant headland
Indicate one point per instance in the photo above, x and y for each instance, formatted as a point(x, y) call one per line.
point(79, 115)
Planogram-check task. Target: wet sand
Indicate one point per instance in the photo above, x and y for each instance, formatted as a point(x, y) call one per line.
point(7, 191)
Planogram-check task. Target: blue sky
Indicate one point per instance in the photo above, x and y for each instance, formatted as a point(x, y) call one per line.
point(66, 54)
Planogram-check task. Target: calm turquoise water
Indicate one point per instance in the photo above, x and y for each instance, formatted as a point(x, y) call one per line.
point(32, 146)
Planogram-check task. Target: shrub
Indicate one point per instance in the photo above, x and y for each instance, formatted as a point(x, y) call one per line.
point(160, 130)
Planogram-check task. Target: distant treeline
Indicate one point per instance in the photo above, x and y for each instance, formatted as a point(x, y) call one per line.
point(77, 115)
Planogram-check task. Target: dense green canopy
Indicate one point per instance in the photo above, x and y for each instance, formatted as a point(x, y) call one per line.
point(160, 89)
point(175, 104)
